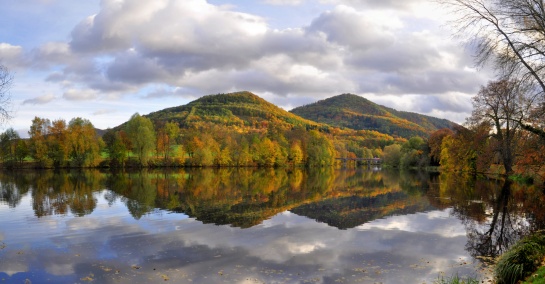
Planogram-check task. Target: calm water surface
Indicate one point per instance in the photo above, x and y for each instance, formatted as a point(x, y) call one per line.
point(256, 226)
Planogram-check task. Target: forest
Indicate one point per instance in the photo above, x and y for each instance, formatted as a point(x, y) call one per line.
point(224, 130)
point(144, 143)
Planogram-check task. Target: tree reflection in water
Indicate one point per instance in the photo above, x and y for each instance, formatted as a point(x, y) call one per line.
point(53, 193)
point(496, 213)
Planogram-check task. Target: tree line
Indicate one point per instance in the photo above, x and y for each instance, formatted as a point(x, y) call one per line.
point(141, 142)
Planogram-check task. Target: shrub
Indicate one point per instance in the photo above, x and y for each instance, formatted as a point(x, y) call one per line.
point(521, 260)
point(456, 280)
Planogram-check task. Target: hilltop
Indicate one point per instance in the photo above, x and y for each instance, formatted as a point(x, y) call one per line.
point(241, 111)
point(355, 112)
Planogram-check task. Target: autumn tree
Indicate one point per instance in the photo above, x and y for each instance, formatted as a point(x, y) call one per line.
point(84, 144)
point(296, 153)
point(529, 162)
point(58, 142)
point(141, 134)
point(434, 143)
point(467, 150)
point(510, 36)
point(320, 150)
point(166, 139)
point(37, 142)
point(193, 144)
point(265, 152)
point(502, 106)
point(241, 153)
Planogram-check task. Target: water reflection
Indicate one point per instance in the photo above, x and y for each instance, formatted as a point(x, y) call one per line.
point(245, 197)
point(496, 213)
point(236, 225)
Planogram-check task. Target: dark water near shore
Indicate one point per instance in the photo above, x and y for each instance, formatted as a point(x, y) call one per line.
point(256, 226)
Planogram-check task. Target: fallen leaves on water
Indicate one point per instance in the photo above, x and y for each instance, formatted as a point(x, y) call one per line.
point(88, 278)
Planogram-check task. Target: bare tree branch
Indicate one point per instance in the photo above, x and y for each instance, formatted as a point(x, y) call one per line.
point(509, 35)
point(6, 81)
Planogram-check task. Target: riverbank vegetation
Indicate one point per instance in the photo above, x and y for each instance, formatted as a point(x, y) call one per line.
point(521, 260)
point(144, 143)
point(456, 279)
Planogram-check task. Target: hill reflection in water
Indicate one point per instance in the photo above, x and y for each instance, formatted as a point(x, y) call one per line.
point(239, 197)
point(217, 225)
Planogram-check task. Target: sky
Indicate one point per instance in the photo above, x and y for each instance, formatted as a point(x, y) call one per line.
point(106, 60)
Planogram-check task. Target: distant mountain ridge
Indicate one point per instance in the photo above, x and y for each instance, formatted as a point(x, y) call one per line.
point(358, 113)
point(246, 112)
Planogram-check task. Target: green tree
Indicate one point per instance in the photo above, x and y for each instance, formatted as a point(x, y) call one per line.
point(392, 155)
point(118, 150)
point(116, 146)
point(320, 150)
point(22, 151)
point(8, 146)
point(141, 134)
point(203, 157)
point(414, 153)
point(172, 131)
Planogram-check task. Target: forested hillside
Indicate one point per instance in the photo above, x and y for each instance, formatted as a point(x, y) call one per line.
point(358, 113)
point(230, 123)
point(241, 111)
point(223, 130)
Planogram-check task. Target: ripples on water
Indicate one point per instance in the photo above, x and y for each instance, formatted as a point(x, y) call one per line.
point(256, 226)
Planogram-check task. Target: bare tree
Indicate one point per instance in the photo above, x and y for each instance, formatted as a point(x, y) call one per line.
point(501, 105)
point(509, 35)
point(6, 80)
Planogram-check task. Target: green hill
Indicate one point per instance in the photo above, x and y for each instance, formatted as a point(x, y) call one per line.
point(358, 113)
point(240, 111)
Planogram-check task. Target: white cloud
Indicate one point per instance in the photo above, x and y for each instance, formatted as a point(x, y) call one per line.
point(52, 53)
point(40, 100)
point(284, 2)
point(192, 48)
point(104, 111)
point(80, 95)
point(11, 56)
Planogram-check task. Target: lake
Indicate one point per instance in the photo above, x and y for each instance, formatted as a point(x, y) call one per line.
point(257, 226)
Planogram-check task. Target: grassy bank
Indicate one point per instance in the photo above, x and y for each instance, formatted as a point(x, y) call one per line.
point(523, 263)
point(536, 278)
point(522, 260)
point(456, 280)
